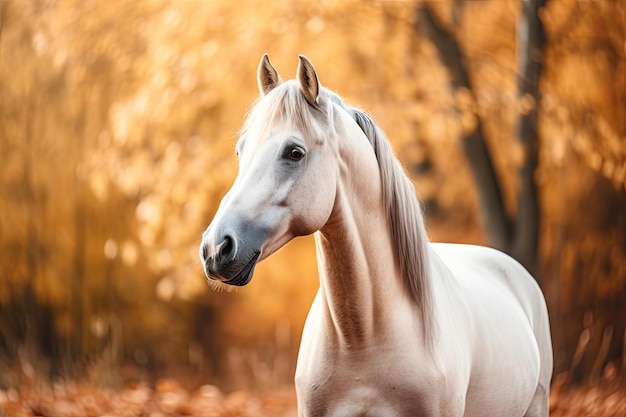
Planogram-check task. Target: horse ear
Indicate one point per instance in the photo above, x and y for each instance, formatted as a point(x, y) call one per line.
point(267, 76)
point(307, 77)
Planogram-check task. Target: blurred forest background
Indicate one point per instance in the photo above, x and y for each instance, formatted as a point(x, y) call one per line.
point(118, 122)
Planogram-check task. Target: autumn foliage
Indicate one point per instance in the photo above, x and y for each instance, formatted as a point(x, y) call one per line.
point(117, 128)
point(167, 398)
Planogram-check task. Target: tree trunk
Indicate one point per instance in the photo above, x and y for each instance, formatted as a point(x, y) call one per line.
point(518, 236)
point(530, 45)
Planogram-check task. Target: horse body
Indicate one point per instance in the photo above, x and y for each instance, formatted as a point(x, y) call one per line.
point(400, 326)
point(501, 309)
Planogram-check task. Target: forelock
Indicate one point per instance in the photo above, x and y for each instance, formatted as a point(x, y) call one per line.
point(285, 104)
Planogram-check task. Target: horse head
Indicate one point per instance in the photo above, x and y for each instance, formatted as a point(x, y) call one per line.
point(287, 178)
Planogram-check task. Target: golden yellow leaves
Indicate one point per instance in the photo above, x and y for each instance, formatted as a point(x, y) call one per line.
point(466, 106)
point(525, 104)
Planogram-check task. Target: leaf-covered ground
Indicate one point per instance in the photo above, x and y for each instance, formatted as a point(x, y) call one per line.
point(167, 398)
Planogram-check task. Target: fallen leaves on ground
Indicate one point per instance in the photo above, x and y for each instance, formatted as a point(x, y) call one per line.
point(168, 398)
point(604, 399)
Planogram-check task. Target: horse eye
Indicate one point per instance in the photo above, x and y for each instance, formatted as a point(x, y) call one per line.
point(295, 153)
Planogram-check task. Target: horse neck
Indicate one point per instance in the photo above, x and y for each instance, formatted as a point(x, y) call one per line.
point(359, 278)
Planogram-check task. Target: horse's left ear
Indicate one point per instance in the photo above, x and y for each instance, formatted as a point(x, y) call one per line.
point(307, 77)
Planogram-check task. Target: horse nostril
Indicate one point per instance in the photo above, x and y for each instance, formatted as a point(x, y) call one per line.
point(227, 248)
point(205, 252)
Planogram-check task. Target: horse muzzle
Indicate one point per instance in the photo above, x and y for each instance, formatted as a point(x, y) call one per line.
point(225, 259)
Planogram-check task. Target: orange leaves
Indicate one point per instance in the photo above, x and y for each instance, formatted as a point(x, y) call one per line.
point(604, 399)
point(166, 399)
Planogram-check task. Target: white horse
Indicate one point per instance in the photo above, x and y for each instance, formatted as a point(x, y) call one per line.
point(399, 326)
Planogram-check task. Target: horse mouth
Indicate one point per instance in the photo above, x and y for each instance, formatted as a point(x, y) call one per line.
point(244, 276)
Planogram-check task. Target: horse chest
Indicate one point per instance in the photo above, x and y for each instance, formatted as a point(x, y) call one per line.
point(368, 386)
point(354, 398)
